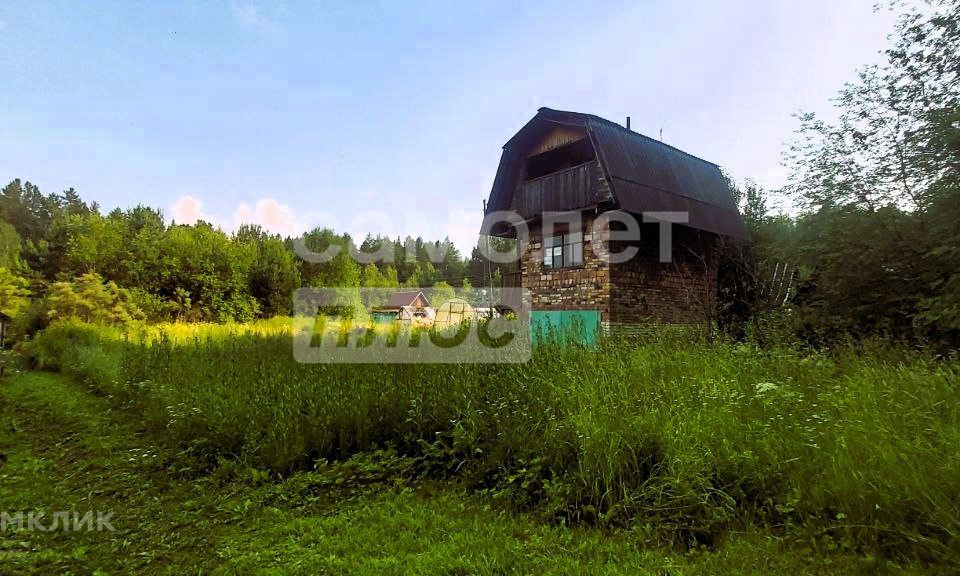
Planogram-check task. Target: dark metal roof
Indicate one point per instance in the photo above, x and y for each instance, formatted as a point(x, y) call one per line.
point(645, 175)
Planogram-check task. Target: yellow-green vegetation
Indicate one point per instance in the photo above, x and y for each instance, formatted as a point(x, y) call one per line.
point(681, 443)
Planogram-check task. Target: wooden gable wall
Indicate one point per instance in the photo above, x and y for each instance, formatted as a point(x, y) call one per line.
point(556, 138)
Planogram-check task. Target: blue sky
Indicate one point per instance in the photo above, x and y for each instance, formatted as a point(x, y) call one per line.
point(386, 117)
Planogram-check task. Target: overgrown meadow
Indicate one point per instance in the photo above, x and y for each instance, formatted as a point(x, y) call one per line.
point(680, 440)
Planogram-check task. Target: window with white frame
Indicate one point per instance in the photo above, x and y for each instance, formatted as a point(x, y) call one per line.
point(563, 250)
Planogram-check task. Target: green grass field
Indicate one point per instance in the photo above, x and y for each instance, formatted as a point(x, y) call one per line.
point(67, 449)
point(663, 456)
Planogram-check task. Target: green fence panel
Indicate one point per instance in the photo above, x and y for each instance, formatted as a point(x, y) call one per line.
point(565, 326)
point(384, 317)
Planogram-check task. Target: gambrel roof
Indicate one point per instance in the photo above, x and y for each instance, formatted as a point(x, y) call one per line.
point(644, 174)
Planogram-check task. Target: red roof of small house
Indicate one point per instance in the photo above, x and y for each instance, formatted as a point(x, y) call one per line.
point(400, 299)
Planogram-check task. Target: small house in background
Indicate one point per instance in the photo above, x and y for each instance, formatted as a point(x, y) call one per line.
point(574, 163)
point(405, 306)
point(4, 322)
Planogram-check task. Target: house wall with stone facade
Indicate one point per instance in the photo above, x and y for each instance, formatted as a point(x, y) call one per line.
point(680, 291)
point(639, 290)
point(584, 287)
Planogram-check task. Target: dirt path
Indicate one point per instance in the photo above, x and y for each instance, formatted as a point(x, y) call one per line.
point(65, 450)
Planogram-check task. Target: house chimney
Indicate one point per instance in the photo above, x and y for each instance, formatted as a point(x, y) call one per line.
point(628, 122)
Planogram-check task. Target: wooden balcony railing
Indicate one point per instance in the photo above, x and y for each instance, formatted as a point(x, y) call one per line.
point(569, 189)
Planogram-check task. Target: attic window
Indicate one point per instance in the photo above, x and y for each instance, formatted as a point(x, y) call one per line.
point(566, 156)
point(563, 251)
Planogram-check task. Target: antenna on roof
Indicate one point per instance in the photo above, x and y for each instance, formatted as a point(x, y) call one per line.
point(628, 122)
point(661, 133)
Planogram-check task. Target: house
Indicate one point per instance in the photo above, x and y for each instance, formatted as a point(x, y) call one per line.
point(586, 167)
point(405, 306)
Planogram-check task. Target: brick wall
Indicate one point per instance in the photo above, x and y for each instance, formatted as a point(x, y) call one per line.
point(639, 290)
point(585, 287)
point(680, 291)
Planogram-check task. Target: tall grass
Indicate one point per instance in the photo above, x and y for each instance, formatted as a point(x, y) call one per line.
point(674, 436)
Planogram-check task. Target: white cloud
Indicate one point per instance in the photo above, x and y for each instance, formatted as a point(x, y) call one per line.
point(187, 210)
point(460, 225)
point(272, 215)
point(243, 214)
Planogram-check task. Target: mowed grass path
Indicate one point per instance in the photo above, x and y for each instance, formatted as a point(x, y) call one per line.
point(65, 449)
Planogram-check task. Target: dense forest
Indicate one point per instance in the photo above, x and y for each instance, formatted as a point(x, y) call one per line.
point(60, 255)
point(872, 248)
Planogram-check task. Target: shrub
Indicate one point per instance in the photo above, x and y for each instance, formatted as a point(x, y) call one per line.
point(90, 299)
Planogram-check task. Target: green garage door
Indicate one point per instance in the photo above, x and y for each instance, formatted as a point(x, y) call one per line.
point(568, 326)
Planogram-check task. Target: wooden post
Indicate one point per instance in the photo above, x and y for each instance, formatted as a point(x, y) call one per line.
point(487, 259)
